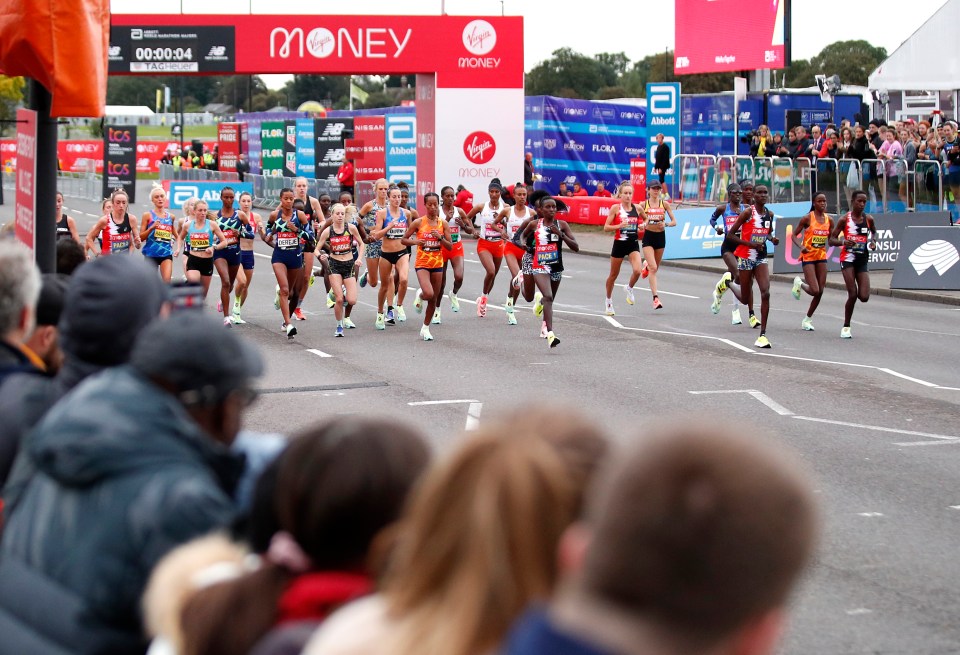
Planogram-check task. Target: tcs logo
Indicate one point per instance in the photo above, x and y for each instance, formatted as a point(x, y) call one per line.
point(119, 136)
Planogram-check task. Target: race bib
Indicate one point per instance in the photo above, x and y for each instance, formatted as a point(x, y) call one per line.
point(287, 240)
point(199, 240)
point(230, 236)
point(819, 241)
point(860, 244)
point(120, 243)
point(454, 234)
point(546, 254)
point(758, 238)
point(162, 233)
point(490, 233)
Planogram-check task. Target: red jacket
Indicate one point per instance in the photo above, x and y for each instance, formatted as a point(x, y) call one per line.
point(464, 201)
point(603, 194)
point(345, 174)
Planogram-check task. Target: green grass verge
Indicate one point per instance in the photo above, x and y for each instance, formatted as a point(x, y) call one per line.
point(162, 132)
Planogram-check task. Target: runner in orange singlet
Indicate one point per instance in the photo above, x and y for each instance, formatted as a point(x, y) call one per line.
point(815, 227)
point(431, 234)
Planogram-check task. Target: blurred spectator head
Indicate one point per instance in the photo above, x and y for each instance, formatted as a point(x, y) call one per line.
point(45, 339)
point(696, 537)
point(19, 290)
point(70, 256)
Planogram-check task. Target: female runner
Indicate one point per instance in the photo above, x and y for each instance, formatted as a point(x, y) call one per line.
point(543, 261)
point(372, 250)
point(115, 230)
point(739, 198)
point(248, 232)
point(859, 237)
point(429, 234)
point(490, 245)
point(313, 215)
point(183, 220)
point(816, 227)
point(284, 227)
point(341, 236)
point(627, 221)
point(457, 221)
point(156, 231)
point(200, 233)
point(227, 261)
point(654, 237)
point(390, 227)
point(508, 222)
point(66, 226)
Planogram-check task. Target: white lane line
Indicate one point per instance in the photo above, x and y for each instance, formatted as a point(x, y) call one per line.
point(257, 254)
point(730, 343)
point(882, 369)
point(473, 416)
point(440, 402)
point(878, 428)
point(614, 322)
point(318, 353)
point(927, 443)
point(90, 215)
point(907, 377)
point(759, 395)
point(666, 293)
point(870, 515)
point(954, 507)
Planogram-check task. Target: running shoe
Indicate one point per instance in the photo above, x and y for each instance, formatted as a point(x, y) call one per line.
point(608, 308)
point(552, 340)
point(518, 280)
point(543, 330)
point(219, 306)
point(454, 303)
point(845, 333)
point(339, 331)
point(644, 272)
point(418, 302)
point(722, 285)
point(227, 322)
point(538, 303)
point(807, 324)
point(313, 278)
point(631, 299)
point(276, 299)
point(735, 317)
point(482, 306)
point(348, 323)
point(656, 303)
point(363, 280)
point(391, 319)
point(511, 319)
point(298, 313)
point(436, 317)
point(797, 282)
point(715, 305)
point(236, 320)
point(291, 331)
point(425, 333)
point(379, 324)
point(401, 315)
point(762, 342)
point(331, 299)
point(754, 321)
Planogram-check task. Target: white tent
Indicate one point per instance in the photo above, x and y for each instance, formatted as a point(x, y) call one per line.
point(129, 110)
point(929, 60)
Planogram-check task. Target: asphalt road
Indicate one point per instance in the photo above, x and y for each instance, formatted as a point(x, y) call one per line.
point(876, 417)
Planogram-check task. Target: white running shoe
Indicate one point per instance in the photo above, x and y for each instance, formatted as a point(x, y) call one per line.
point(807, 324)
point(425, 333)
point(845, 333)
point(735, 317)
point(630, 297)
point(608, 308)
point(518, 280)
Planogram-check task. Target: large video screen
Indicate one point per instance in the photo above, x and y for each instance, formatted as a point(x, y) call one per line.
point(716, 36)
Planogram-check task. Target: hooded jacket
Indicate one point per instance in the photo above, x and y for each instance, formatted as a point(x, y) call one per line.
point(123, 475)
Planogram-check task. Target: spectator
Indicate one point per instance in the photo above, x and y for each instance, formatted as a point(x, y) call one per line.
point(579, 190)
point(243, 166)
point(337, 488)
point(601, 191)
point(477, 543)
point(829, 147)
point(891, 152)
point(910, 142)
point(564, 190)
point(345, 176)
point(845, 143)
point(923, 130)
point(801, 147)
point(99, 324)
point(528, 171)
point(661, 158)
point(19, 291)
point(760, 145)
point(123, 500)
point(70, 256)
point(780, 148)
point(950, 154)
point(816, 142)
point(464, 199)
point(690, 547)
point(43, 346)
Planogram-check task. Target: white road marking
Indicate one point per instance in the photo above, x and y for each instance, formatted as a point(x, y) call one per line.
point(666, 293)
point(90, 215)
point(318, 353)
point(473, 416)
point(878, 428)
point(870, 515)
point(954, 507)
point(257, 254)
point(614, 322)
point(759, 395)
point(928, 443)
point(440, 402)
point(882, 369)
point(859, 611)
point(907, 377)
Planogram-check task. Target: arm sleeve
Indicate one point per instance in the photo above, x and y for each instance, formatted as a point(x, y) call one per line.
point(717, 213)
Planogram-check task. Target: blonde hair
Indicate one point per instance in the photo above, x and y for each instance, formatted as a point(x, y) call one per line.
point(350, 212)
point(478, 544)
point(338, 207)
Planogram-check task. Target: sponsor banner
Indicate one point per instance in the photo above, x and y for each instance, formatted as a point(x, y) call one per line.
point(931, 259)
point(152, 49)
point(473, 52)
point(120, 160)
point(228, 136)
point(663, 117)
point(289, 148)
point(890, 229)
point(180, 192)
point(371, 131)
point(26, 179)
point(426, 135)
point(487, 145)
point(401, 150)
point(586, 210)
point(638, 178)
point(87, 156)
point(306, 148)
point(272, 135)
point(329, 149)
point(701, 47)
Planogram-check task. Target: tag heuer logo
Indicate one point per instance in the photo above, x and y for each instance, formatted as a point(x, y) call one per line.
point(941, 255)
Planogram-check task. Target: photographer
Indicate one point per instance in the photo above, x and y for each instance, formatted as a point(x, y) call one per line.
point(761, 143)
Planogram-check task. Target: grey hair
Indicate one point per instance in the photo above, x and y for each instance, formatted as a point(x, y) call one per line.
point(19, 285)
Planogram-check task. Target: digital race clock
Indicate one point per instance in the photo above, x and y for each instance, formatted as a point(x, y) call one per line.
point(171, 49)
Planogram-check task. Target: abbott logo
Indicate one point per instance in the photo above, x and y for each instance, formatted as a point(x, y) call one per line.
point(479, 37)
point(662, 99)
point(941, 255)
point(181, 194)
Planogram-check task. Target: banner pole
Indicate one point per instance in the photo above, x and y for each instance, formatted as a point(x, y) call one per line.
point(44, 224)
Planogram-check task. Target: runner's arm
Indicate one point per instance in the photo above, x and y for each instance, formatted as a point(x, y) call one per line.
point(90, 242)
point(222, 243)
point(734, 232)
point(609, 225)
point(321, 242)
point(146, 226)
point(801, 225)
point(669, 209)
point(447, 239)
point(717, 213)
point(465, 224)
point(835, 239)
point(411, 230)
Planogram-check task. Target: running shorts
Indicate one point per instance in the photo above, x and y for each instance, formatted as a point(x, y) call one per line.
point(744, 264)
point(204, 265)
point(860, 264)
point(372, 250)
point(495, 248)
point(289, 258)
point(156, 261)
point(232, 255)
point(394, 257)
point(247, 259)
point(727, 246)
point(623, 249)
point(453, 253)
point(655, 240)
point(511, 248)
point(343, 269)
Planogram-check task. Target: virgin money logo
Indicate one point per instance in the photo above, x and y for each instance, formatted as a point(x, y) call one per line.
point(479, 37)
point(479, 148)
point(321, 42)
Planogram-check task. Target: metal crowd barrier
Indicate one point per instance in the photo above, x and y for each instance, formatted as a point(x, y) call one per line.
point(694, 180)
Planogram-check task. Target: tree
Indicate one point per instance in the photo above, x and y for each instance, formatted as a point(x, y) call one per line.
point(11, 94)
point(798, 74)
point(853, 61)
point(568, 69)
point(235, 89)
point(320, 88)
point(659, 68)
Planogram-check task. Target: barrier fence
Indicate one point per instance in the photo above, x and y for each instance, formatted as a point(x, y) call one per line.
point(83, 186)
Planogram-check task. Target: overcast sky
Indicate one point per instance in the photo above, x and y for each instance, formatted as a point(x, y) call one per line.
point(636, 27)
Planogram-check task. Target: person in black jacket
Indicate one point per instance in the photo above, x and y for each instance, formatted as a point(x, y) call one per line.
point(661, 158)
point(19, 291)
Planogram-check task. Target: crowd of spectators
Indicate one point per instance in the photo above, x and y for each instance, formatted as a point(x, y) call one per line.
point(139, 516)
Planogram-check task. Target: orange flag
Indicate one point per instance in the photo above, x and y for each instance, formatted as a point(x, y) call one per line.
point(62, 45)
